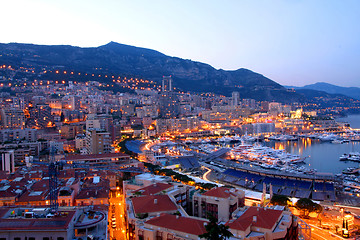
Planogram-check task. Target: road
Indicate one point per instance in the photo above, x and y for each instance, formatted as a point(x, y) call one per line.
point(322, 234)
point(116, 210)
point(206, 174)
point(330, 218)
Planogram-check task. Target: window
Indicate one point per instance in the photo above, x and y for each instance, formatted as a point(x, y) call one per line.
point(159, 235)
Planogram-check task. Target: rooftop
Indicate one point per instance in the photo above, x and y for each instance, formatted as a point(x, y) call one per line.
point(265, 218)
point(14, 219)
point(94, 156)
point(178, 223)
point(151, 177)
point(154, 188)
point(153, 203)
point(219, 192)
point(30, 196)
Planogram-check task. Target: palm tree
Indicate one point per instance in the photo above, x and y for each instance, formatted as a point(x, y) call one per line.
point(215, 231)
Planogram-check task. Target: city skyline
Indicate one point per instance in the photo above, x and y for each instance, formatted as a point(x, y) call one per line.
point(291, 42)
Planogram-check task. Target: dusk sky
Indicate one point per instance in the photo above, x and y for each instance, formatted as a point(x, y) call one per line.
point(292, 42)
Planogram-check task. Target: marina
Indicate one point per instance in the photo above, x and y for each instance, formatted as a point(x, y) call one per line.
point(317, 165)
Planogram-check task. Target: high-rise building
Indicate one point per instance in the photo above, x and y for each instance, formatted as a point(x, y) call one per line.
point(12, 118)
point(249, 103)
point(7, 162)
point(169, 105)
point(235, 98)
point(74, 103)
point(40, 116)
point(103, 121)
point(167, 84)
point(265, 106)
point(220, 202)
point(26, 134)
point(97, 141)
point(70, 131)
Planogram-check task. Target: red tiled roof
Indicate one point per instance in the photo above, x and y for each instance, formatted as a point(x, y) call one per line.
point(154, 188)
point(40, 185)
point(265, 218)
point(219, 192)
point(36, 175)
point(94, 190)
point(89, 183)
point(3, 175)
point(178, 223)
point(31, 196)
point(93, 193)
point(146, 204)
point(59, 222)
point(8, 194)
point(12, 189)
point(94, 156)
point(66, 173)
point(19, 184)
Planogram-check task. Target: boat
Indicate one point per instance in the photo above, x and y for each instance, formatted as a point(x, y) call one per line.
point(248, 138)
point(265, 154)
point(344, 157)
point(283, 138)
point(354, 158)
point(328, 137)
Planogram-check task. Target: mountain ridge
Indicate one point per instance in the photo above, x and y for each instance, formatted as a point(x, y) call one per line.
point(353, 92)
point(150, 64)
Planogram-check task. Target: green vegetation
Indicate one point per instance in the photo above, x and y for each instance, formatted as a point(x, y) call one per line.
point(281, 200)
point(151, 167)
point(142, 215)
point(306, 206)
point(215, 231)
point(177, 176)
point(123, 148)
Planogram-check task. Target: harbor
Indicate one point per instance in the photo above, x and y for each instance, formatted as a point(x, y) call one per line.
point(305, 166)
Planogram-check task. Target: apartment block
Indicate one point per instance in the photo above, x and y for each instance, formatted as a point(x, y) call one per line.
point(220, 202)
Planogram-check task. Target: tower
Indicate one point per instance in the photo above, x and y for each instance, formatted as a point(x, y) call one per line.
point(98, 141)
point(167, 84)
point(235, 98)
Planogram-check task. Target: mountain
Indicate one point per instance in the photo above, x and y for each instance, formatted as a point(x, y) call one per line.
point(115, 58)
point(329, 103)
point(353, 92)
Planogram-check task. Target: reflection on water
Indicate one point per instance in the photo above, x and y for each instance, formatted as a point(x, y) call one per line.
point(323, 156)
point(354, 120)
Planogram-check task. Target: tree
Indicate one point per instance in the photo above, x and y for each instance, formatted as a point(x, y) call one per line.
point(306, 206)
point(281, 200)
point(215, 231)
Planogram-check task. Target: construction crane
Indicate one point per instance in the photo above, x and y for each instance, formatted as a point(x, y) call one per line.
point(53, 180)
point(53, 185)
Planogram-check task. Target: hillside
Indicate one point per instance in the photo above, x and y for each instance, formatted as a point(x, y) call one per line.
point(115, 58)
point(353, 92)
point(327, 103)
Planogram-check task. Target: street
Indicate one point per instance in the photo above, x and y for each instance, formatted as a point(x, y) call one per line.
point(117, 226)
